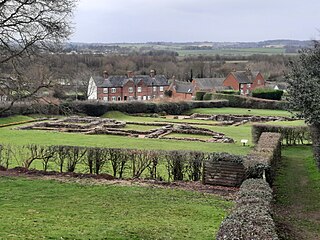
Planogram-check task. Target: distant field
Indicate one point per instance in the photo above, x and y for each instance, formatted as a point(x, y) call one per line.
point(232, 51)
point(42, 209)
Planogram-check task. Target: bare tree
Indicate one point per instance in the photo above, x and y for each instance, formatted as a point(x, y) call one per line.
point(27, 29)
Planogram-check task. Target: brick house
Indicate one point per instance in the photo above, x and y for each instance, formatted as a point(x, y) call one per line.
point(209, 84)
point(127, 88)
point(182, 90)
point(244, 81)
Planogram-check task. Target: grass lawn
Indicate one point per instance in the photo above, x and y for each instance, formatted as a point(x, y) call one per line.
point(43, 209)
point(140, 127)
point(13, 119)
point(125, 117)
point(257, 112)
point(288, 123)
point(24, 137)
point(297, 191)
point(184, 135)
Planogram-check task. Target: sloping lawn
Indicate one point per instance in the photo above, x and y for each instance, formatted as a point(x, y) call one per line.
point(297, 191)
point(43, 209)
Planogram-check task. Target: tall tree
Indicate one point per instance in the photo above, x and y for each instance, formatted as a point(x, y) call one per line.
point(27, 29)
point(304, 91)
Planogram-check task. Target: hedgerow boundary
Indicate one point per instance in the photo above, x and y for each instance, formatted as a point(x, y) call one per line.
point(252, 217)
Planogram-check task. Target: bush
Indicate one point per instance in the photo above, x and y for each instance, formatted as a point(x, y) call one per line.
point(267, 93)
point(251, 219)
point(290, 135)
point(207, 96)
point(230, 92)
point(249, 102)
point(200, 95)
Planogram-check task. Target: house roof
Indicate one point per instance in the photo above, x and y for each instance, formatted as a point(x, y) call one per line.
point(120, 81)
point(183, 87)
point(209, 83)
point(245, 77)
point(278, 85)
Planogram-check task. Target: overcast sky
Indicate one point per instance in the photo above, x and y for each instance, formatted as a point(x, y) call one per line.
point(111, 21)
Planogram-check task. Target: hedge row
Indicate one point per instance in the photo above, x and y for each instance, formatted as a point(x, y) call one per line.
point(121, 163)
point(267, 93)
point(251, 218)
point(28, 108)
point(249, 102)
point(291, 135)
point(175, 108)
point(261, 162)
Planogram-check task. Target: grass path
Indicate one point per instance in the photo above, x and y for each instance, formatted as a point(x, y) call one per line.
point(297, 190)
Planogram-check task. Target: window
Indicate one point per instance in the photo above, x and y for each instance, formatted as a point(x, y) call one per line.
point(113, 90)
point(144, 97)
point(259, 81)
point(105, 90)
point(161, 96)
point(241, 91)
point(130, 89)
point(139, 89)
point(247, 92)
point(154, 89)
point(114, 99)
point(249, 85)
point(105, 99)
point(161, 89)
point(139, 98)
point(149, 97)
point(119, 98)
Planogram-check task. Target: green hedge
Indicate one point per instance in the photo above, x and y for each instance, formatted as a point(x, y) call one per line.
point(200, 95)
point(249, 102)
point(251, 219)
point(230, 92)
point(262, 161)
point(267, 93)
point(291, 135)
point(207, 96)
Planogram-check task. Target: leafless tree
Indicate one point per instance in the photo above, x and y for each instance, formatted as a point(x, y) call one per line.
point(28, 28)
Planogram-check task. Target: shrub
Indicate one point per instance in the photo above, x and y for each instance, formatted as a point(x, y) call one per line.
point(207, 96)
point(267, 93)
point(249, 102)
point(230, 92)
point(200, 95)
point(291, 135)
point(251, 219)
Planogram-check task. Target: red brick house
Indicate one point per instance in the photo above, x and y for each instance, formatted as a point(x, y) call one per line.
point(182, 90)
point(244, 81)
point(209, 84)
point(127, 88)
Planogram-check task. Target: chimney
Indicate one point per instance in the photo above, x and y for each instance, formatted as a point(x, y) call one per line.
point(105, 74)
point(130, 74)
point(152, 73)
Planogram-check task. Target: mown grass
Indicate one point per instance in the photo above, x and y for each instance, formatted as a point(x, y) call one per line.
point(14, 119)
point(24, 137)
point(184, 135)
point(297, 191)
point(242, 111)
point(288, 123)
point(42, 209)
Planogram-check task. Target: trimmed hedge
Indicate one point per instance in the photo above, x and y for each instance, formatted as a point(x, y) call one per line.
point(267, 93)
point(249, 102)
point(207, 97)
point(251, 219)
point(175, 108)
point(200, 95)
point(262, 161)
point(291, 135)
point(28, 108)
point(230, 92)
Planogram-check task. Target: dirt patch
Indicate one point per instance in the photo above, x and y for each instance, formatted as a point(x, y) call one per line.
point(228, 193)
